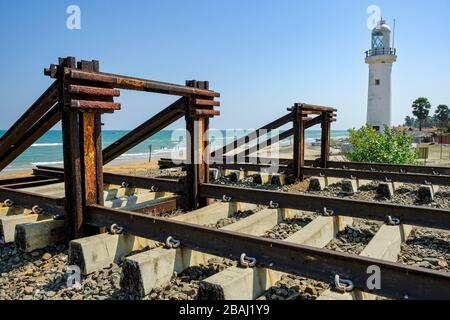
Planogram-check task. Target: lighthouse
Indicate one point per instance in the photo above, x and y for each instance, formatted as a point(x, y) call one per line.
point(380, 59)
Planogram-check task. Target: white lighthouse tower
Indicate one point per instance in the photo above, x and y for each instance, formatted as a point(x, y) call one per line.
point(380, 60)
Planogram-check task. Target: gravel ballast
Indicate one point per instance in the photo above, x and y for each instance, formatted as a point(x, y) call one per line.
point(41, 275)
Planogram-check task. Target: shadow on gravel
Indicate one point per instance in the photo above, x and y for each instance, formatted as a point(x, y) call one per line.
point(432, 243)
point(12, 258)
point(55, 285)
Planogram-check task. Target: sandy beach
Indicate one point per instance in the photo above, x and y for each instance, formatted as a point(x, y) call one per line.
point(437, 157)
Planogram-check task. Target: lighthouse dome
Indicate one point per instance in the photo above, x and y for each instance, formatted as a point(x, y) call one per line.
point(382, 26)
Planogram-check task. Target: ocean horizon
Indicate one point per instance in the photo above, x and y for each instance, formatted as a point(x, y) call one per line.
point(48, 150)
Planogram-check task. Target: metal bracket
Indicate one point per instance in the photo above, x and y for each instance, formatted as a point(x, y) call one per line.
point(171, 243)
point(247, 262)
point(274, 205)
point(392, 221)
point(343, 285)
point(115, 229)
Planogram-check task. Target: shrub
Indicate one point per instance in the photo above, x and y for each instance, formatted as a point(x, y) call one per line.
point(390, 146)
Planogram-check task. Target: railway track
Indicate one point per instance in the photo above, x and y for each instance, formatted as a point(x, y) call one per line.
point(145, 272)
point(113, 219)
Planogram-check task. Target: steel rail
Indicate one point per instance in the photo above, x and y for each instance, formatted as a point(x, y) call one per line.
point(398, 281)
point(411, 215)
point(157, 184)
point(28, 200)
point(415, 178)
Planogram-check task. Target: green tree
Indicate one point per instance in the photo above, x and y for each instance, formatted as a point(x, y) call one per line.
point(428, 122)
point(409, 121)
point(442, 115)
point(421, 109)
point(370, 145)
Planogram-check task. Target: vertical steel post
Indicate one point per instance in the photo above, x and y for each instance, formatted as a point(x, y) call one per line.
point(326, 138)
point(72, 157)
point(197, 168)
point(83, 165)
point(299, 141)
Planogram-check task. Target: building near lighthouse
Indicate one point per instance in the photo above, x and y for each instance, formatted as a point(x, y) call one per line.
point(380, 59)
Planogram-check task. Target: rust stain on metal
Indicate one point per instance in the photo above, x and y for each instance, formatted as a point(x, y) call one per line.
point(89, 153)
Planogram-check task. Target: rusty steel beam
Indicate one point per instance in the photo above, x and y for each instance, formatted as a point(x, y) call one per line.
point(87, 105)
point(19, 180)
point(399, 281)
point(299, 142)
point(166, 206)
point(416, 178)
point(37, 130)
point(285, 165)
point(253, 167)
point(158, 122)
point(252, 136)
point(410, 215)
point(20, 128)
point(55, 173)
point(196, 127)
point(349, 166)
point(228, 160)
point(131, 83)
point(32, 184)
point(24, 199)
point(157, 184)
point(316, 108)
point(284, 135)
point(250, 160)
point(249, 165)
point(93, 91)
point(208, 103)
point(325, 140)
point(399, 168)
point(205, 113)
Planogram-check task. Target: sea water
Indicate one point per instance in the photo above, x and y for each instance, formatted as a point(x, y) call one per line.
point(48, 149)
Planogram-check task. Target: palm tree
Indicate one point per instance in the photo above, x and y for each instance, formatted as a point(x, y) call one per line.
point(442, 115)
point(421, 109)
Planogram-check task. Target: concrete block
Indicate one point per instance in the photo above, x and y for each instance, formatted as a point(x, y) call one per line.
point(11, 211)
point(38, 235)
point(350, 186)
point(261, 178)
point(214, 174)
point(426, 193)
point(317, 184)
point(147, 270)
point(278, 179)
point(386, 190)
point(8, 224)
point(236, 175)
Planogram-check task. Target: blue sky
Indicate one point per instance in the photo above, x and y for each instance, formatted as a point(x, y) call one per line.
point(261, 55)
